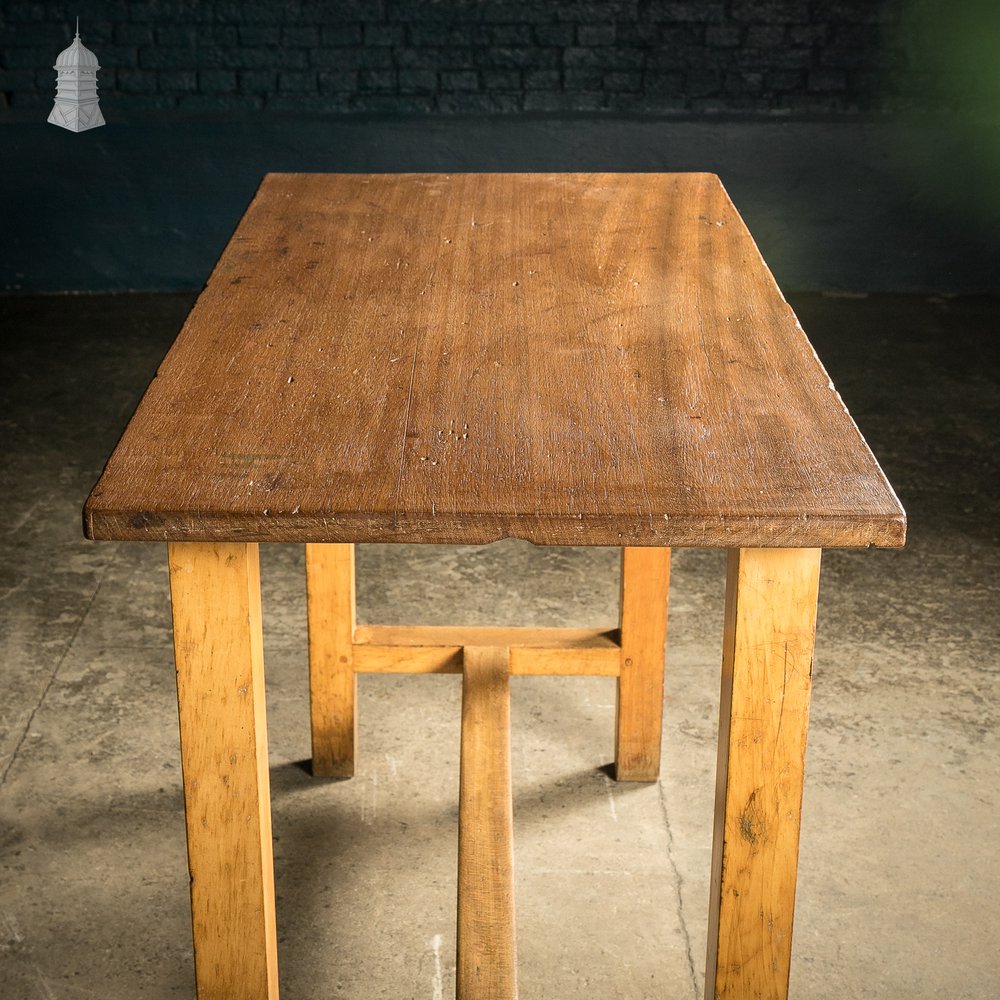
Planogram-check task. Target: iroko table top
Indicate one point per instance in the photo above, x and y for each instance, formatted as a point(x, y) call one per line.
point(579, 359)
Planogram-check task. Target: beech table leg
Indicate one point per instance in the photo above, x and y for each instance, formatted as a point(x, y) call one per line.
point(770, 628)
point(218, 649)
point(486, 953)
point(639, 716)
point(332, 680)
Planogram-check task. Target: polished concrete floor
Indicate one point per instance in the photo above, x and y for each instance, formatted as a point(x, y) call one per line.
point(899, 873)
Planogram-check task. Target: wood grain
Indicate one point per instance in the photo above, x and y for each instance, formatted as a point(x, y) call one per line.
point(766, 677)
point(565, 358)
point(488, 635)
point(419, 649)
point(218, 648)
point(333, 685)
point(486, 955)
point(639, 711)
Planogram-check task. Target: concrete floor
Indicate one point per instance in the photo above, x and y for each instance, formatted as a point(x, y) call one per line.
point(897, 892)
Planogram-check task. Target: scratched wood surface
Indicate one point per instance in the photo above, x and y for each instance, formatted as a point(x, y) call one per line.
point(566, 358)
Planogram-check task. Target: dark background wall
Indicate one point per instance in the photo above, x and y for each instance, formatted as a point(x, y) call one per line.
point(476, 56)
point(856, 136)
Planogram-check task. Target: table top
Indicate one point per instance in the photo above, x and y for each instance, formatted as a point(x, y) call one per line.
point(573, 359)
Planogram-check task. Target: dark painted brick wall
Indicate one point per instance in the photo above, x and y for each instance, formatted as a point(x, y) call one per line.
point(478, 56)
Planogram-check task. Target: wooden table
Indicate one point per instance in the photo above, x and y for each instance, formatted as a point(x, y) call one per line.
point(572, 359)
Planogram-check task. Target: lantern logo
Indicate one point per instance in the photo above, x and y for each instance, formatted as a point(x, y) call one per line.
point(76, 106)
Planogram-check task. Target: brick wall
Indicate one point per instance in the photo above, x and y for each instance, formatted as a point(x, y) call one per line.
point(468, 56)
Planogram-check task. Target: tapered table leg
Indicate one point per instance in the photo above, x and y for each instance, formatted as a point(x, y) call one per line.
point(218, 649)
point(770, 628)
point(332, 681)
point(639, 716)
